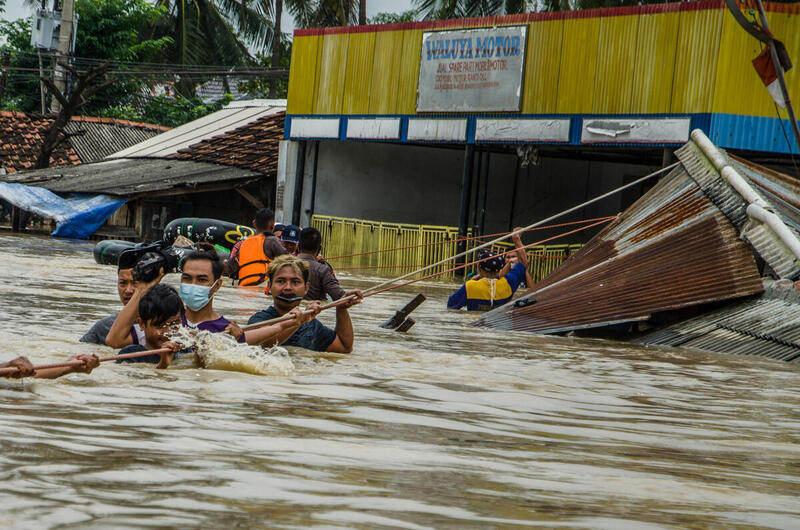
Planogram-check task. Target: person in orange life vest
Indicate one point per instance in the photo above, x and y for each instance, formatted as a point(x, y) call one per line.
point(492, 286)
point(249, 265)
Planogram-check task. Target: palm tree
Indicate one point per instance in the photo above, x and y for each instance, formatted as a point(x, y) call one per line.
point(218, 31)
point(325, 13)
point(442, 9)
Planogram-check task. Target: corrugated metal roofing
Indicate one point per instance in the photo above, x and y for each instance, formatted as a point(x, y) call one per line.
point(102, 139)
point(672, 249)
point(215, 124)
point(733, 206)
point(132, 177)
point(765, 326)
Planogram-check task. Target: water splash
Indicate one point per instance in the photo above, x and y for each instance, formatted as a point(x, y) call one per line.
point(220, 351)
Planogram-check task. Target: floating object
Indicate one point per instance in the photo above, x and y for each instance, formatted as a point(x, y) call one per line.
point(218, 233)
point(108, 251)
point(399, 317)
point(406, 325)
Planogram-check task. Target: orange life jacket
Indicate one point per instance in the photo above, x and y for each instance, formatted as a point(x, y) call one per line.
point(253, 262)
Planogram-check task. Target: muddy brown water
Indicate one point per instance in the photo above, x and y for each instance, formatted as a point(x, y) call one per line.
point(449, 426)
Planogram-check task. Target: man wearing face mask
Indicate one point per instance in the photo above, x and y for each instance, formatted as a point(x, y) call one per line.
point(201, 272)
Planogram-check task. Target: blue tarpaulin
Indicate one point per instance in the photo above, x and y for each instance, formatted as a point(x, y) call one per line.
point(78, 216)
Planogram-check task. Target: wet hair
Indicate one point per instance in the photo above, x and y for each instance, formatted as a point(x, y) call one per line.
point(263, 218)
point(287, 260)
point(495, 264)
point(159, 304)
point(310, 240)
point(205, 251)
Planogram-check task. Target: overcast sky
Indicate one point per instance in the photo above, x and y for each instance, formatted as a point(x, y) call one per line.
point(15, 9)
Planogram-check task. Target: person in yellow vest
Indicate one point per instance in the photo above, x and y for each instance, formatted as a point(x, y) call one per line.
point(256, 252)
point(493, 287)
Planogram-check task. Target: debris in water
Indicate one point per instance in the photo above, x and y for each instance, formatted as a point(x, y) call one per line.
point(220, 351)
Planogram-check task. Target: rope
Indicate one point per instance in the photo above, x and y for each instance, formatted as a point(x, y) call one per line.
point(381, 288)
point(67, 364)
point(459, 239)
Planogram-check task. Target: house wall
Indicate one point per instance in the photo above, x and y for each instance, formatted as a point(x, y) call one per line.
point(422, 185)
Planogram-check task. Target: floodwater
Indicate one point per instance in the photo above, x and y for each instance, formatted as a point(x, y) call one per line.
point(448, 426)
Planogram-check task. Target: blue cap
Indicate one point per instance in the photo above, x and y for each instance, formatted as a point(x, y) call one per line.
point(291, 233)
point(492, 263)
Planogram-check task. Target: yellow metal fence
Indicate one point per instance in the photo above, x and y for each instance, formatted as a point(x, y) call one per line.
point(373, 248)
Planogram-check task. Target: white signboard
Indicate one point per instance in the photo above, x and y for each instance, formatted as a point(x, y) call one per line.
point(472, 70)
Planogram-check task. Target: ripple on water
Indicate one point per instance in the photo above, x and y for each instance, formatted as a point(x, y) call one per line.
point(447, 426)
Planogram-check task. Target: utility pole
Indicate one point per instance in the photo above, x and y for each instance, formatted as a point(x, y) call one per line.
point(4, 74)
point(779, 71)
point(64, 49)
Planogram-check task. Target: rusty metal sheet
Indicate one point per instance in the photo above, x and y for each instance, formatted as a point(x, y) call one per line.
point(766, 326)
point(672, 249)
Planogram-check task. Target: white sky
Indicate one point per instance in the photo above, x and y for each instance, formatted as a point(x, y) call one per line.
point(15, 9)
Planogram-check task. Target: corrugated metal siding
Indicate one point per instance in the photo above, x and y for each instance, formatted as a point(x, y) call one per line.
point(103, 139)
point(738, 86)
point(409, 72)
point(303, 75)
point(332, 68)
point(616, 59)
point(766, 327)
point(695, 67)
point(540, 92)
point(671, 249)
point(385, 72)
point(132, 177)
point(578, 65)
point(657, 37)
point(358, 82)
point(677, 58)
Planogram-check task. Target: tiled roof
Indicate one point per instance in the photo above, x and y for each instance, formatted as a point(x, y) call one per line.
point(253, 146)
point(21, 138)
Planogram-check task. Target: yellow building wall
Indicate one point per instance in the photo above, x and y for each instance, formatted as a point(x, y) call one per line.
point(674, 62)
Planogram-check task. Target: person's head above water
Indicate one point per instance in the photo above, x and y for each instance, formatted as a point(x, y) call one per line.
point(287, 277)
point(310, 241)
point(290, 237)
point(491, 263)
point(126, 285)
point(200, 276)
point(264, 220)
point(160, 312)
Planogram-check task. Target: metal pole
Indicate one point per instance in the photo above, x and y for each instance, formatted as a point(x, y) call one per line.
point(477, 189)
point(466, 187)
point(779, 71)
point(485, 190)
point(41, 84)
point(4, 76)
point(513, 196)
point(64, 49)
point(314, 181)
point(299, 174)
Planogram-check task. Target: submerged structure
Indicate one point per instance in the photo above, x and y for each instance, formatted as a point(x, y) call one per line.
point(707, 258)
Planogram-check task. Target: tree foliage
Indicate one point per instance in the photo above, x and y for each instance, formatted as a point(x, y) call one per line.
point(323, 13)
point(394, 18)
point(108, 30)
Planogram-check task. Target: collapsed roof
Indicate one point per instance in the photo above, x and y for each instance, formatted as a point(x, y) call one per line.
point(705, 234)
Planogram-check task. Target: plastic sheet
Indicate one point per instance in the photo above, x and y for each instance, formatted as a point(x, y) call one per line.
point(78, 216)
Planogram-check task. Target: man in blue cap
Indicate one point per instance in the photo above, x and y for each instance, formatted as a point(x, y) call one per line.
point(290, 237)
point(491, 288)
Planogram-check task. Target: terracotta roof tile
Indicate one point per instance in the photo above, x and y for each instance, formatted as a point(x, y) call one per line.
point(21, 136)
point(253, 146)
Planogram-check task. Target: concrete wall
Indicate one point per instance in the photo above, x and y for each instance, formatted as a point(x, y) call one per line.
point(422, 185)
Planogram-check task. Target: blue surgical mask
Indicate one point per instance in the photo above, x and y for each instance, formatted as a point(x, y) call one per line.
point(196, 297)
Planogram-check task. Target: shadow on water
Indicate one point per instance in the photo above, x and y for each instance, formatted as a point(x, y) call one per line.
point(448, 426)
